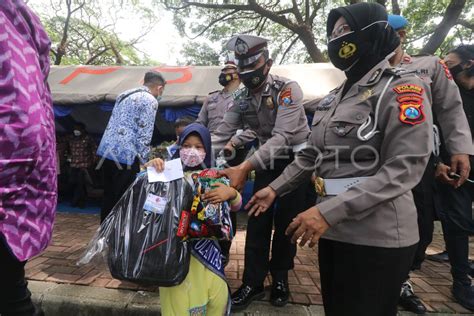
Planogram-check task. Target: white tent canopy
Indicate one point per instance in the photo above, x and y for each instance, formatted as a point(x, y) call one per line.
point(73, 85)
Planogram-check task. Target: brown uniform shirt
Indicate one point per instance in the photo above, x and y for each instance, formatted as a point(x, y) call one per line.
point(447, 104)
point(212, 114)
point(379, 211)
point(213, 110)
point(276, 115)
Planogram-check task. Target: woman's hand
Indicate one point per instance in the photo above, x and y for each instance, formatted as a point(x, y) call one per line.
point(310, 224)
point(220, 194)
point(261, 201)
point(157, 163)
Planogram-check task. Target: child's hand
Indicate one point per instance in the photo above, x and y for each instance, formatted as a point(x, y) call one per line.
point(157, 163)
point(220, 194)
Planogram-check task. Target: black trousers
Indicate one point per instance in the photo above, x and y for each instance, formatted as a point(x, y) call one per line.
point(77, 182)
point(15, 298)
point(259, 231)
point(423, 195)
point(458, 224)
point(361, 280)
point(117, 179)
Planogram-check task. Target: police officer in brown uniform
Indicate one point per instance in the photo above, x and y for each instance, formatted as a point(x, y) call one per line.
point(450, 118)
point(370, 142)
point(272, 107)
point(218, 102)
point(212, 115)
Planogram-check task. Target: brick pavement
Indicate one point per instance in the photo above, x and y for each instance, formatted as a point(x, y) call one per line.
point(73, 231)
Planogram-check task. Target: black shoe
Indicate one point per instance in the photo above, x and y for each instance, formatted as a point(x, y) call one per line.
point(439, 257)
point(409, 301)
point(280, 293)
point(245, 295)
point(464, 295)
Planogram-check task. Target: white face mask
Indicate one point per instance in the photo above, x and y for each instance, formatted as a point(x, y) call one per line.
point(77, 132)
point(192, 157)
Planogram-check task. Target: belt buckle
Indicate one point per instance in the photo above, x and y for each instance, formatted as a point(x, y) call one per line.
point(319, 186)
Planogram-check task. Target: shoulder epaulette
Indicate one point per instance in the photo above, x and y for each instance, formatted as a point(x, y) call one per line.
point(214, 92)
point(399, 72)
point(278, 84)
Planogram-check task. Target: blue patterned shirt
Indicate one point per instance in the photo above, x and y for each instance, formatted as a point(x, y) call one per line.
point(130, 128)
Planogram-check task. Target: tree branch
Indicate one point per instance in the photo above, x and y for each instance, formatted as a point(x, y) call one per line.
point(450, 18)
point(288, 49)
point(395, 7)
point(296, 12)
point(214, 22)
point(466, 24)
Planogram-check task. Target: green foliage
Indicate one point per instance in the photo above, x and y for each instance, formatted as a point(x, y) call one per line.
point(217, 25)
point(87, 30)
point(199, 54)
point(424, 17)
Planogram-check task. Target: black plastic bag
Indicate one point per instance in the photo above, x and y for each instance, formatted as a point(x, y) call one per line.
point(139, 236)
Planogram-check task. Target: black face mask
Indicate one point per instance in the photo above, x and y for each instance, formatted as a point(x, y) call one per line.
point(225, 79)
point(456, 70)
point(254, 79)
point(346, 50)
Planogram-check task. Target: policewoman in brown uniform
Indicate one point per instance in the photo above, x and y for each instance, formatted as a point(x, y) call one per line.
point(271, 106)
point(449, 116)
point(370, 142)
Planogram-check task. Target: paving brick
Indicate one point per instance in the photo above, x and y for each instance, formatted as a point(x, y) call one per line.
point(425, 286)
point(316, 299)
point(435, 297)
point(89, 278)
point(73, 232)
point(60, 269)
point(306, 289)
point(441, 307)
point(306, 281)
point(100, 282)
point(458, 308)
point(300, 298)
point(433, 281)
point(63, 278)
point(35, 261)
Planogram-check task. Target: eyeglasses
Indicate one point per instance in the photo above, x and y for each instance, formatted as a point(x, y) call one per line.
point(339, 31)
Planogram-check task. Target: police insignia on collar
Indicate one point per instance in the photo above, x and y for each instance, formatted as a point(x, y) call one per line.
point(269, 103)
point(374, 76)
point(408, 88)
point(446, 70)
point(410, 104)
point(366, 94)
point(325, 103)
point(285, 97)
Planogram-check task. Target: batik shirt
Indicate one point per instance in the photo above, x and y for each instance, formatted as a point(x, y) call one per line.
point(130, 128)
point(27, 138)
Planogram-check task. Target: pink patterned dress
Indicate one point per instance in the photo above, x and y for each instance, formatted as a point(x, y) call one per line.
point(27, 137)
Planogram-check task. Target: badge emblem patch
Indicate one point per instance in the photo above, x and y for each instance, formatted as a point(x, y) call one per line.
point(408, 88)
point(285, 97)
point(347, 50)
point(412, 113)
